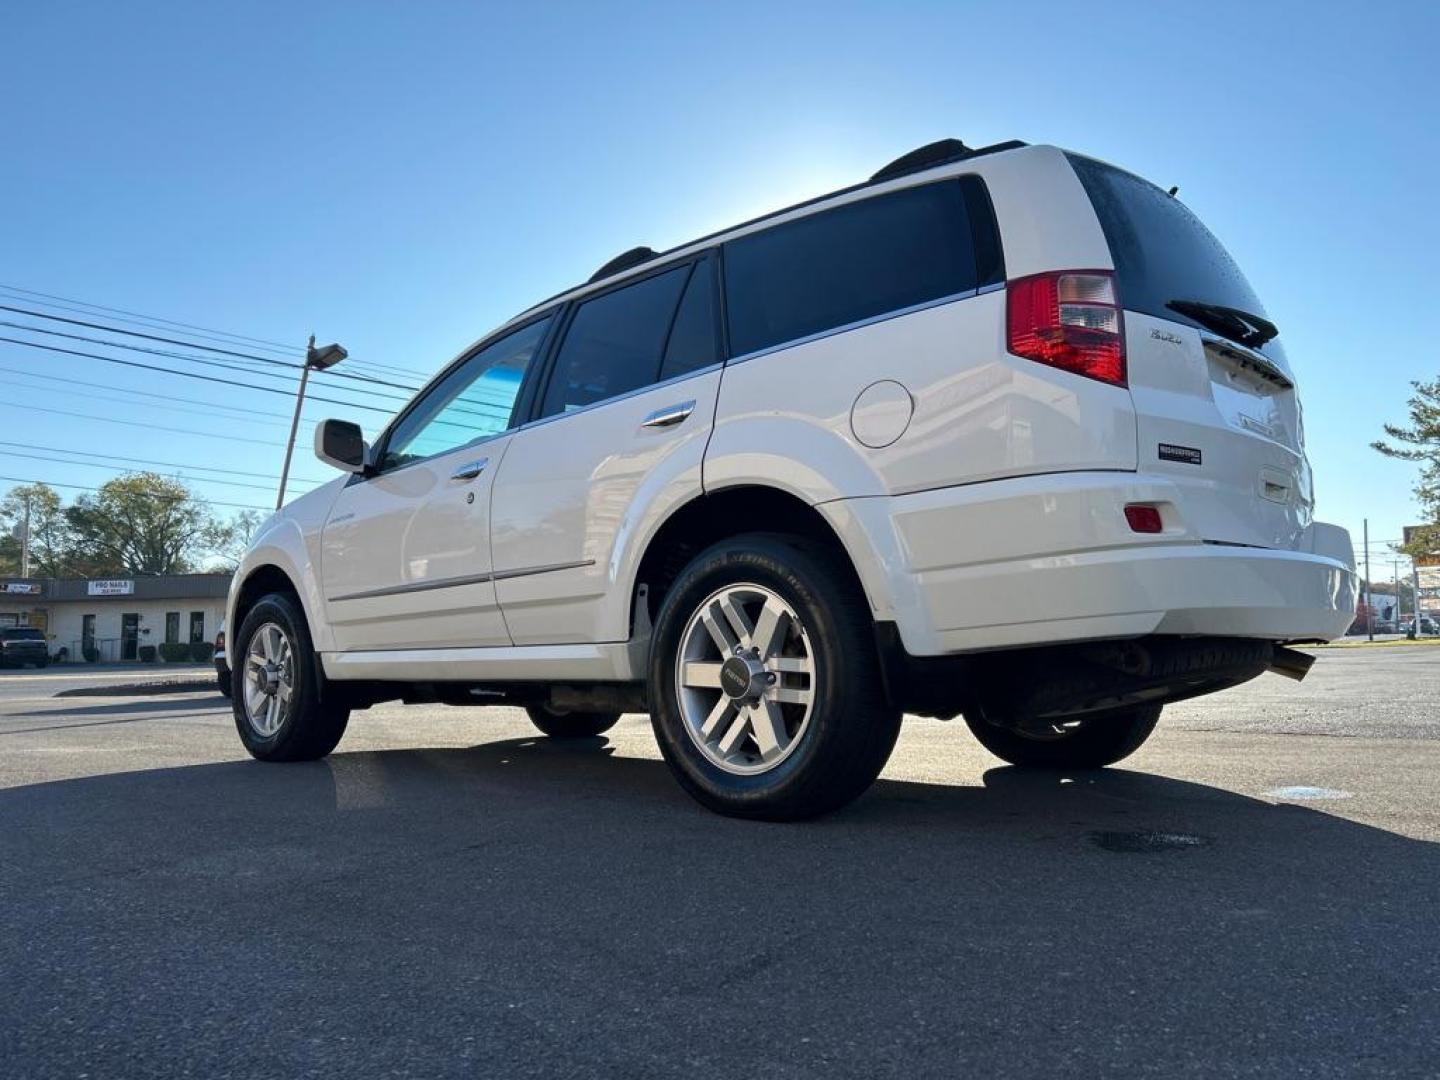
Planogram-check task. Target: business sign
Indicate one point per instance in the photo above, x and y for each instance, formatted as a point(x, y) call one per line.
point(23, 588)
point(1428, 578)
point(110, 588)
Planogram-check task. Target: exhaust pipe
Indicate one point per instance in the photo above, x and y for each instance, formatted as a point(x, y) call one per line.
point(1292, 663)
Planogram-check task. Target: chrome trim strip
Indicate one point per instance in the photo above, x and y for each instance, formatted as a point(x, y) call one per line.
point(708, 369)
point(456, 582)
point(882, 317)
point(506, 575)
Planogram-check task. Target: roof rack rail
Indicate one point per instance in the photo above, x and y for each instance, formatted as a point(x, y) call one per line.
point(624, 261)
point(942, 152)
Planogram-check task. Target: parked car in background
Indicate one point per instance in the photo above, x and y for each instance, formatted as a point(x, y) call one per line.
point(1001, 433)
point(22, 645)
point(222, 667)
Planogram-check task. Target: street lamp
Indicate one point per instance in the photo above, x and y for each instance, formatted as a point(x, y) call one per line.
point(327, 356)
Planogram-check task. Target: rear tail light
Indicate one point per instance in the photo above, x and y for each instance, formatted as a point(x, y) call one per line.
point(1069, 320)
point(1144, 519)
point(220, 641)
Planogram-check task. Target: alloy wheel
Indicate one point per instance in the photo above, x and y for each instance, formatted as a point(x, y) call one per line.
point(745, 679)
point(269, 679)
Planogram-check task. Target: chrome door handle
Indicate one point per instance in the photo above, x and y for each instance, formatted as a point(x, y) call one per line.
point(470, 470)
point(669, 416)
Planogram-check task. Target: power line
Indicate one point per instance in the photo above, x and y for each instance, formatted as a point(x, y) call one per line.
point(197, 345)
point(123, 469)
point(145, 461)
point(157, 498)
point(493, 410)
point(188, 374)
point(148, 427)
point(274, 346)
point(209, 405)
point(289, 380)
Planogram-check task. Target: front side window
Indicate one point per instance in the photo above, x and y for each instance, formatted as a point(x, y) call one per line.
point(615, 343)
point(849, 264)
point(475, 401)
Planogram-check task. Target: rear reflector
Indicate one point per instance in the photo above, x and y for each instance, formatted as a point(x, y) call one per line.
point(1144, 519)
point(1069, 320)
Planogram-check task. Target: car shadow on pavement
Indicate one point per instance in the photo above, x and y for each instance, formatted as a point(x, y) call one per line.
point(528, 906)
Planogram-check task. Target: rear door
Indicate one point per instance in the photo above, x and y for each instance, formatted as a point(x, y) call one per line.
point(1215, 400)
point(619, 434)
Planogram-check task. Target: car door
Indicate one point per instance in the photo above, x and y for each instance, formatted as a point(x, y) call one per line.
point(405, 560)
point(618, 437)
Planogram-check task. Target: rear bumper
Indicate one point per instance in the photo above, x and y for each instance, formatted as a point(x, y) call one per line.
point(1050, 559)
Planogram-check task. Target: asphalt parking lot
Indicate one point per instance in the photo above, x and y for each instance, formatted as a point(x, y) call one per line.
point(1255, 893)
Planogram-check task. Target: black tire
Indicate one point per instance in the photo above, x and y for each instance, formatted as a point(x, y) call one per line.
point(315, 721)
point(852, 725)
point(1091, 743)
point(570, 725)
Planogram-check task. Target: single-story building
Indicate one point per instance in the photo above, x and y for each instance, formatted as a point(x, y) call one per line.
point(112, 619)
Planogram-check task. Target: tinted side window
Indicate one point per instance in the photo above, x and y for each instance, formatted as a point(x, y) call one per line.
point(692, 343)
point(473, 402)
point(844, 265)
point(614, 343)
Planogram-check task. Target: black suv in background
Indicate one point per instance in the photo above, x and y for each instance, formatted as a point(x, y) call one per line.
point(21, 645)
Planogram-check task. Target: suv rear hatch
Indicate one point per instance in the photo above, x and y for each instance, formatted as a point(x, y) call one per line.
point(1215, 403)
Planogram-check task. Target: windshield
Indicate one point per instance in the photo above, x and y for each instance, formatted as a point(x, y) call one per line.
point(22, 634)
point(1167, 263)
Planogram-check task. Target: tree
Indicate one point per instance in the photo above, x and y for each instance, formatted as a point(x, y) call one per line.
point(1421, 442)
point(49, 530)
point(235, 537)
point(141, 524)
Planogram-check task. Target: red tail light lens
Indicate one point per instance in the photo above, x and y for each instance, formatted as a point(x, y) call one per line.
point(1069, 320)
point(1144, 519)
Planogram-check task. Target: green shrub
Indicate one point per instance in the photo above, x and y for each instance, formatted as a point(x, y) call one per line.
point(200, 651)
point(147, 654)
point(175, 652)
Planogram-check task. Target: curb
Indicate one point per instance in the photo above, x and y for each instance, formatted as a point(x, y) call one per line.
point(176, 686)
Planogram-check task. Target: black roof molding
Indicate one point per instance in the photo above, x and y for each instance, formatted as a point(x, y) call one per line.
point(942, 152)
point(624, 261)
point(924, 157)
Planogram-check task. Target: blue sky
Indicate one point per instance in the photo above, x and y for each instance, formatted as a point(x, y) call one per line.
point(401, 177)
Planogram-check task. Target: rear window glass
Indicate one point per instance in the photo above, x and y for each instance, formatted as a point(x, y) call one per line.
point(842, 266)
point(22, 635)
point(1162, 251)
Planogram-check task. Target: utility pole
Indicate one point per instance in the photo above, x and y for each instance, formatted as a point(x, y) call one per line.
point(1395, 577)
point(1369, 611)
point(25, 541)
point(1415, 584)
point(315, 360)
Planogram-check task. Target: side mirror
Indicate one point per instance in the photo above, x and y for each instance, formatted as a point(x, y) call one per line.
point(340, 443)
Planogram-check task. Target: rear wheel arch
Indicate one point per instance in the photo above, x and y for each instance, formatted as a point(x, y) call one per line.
point(721, 515)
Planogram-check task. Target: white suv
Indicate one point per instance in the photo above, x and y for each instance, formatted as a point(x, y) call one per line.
point(1000, 432)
